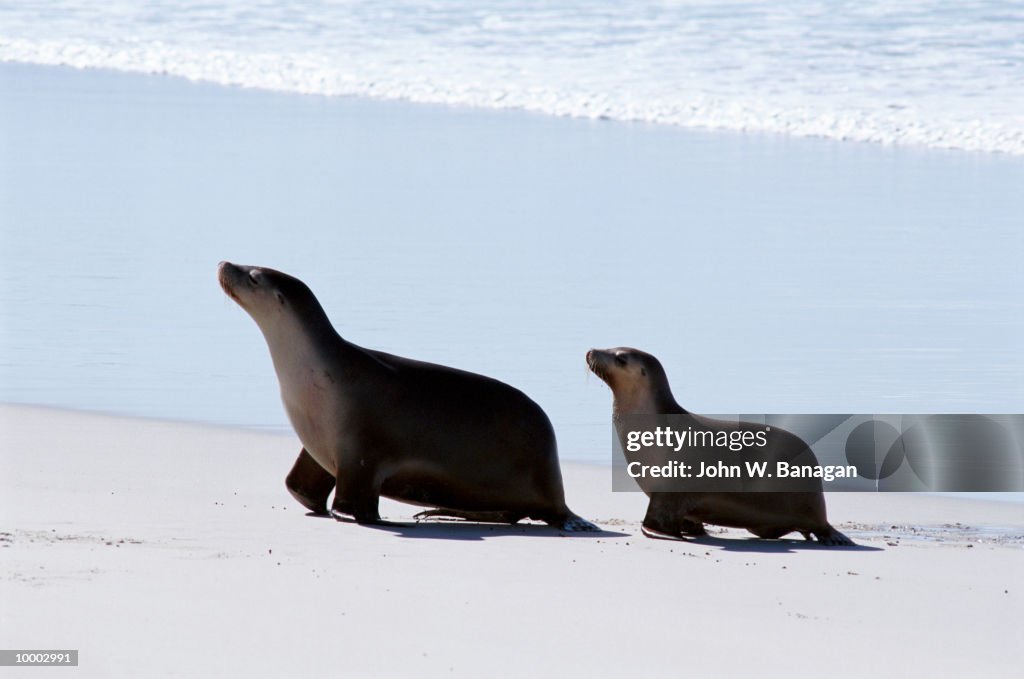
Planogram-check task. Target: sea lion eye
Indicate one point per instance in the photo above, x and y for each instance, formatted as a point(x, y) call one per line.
point(619, 360)
point(252, 277)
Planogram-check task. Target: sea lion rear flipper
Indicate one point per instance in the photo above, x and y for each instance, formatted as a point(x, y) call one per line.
point(575, 524)
point(830, 537)
point(476, 517)
point(655, 534)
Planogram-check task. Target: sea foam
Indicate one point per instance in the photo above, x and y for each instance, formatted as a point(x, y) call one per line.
point(921, 73)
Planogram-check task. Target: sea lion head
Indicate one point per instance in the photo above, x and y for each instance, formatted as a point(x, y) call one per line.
point(273, 298)
point(637, 380)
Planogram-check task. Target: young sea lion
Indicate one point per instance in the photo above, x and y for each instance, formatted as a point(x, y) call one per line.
point(640, 387)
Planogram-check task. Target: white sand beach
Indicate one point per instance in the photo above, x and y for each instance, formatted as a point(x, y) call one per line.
point(170, 549)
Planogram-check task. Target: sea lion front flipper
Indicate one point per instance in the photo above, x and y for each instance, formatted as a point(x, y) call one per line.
point(664, 519)
point(685, 529)
point(356, 496)
point(345, 512)
point(692, 529)
point(310, 484)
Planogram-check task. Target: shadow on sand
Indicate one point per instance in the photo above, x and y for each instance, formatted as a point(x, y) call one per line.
point(467, 530)
point(761, 546)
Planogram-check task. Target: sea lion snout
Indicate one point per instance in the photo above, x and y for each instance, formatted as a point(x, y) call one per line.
point(603, 361)
point(238, 281)
point(597, 361)
point(635, 377)
point(228, 268)
point(228, 274)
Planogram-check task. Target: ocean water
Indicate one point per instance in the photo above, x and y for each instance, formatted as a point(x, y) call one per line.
point(924, 73)
point(769, 273)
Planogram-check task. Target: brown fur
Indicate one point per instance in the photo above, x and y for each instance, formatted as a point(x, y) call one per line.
point(640, 387)
point(373, 424)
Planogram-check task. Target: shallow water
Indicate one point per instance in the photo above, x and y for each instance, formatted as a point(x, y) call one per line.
point(770, 274)
point(918, 72)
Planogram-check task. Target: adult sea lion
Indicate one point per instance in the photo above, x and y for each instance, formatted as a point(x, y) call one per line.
point(374, 424)
point(640, 387)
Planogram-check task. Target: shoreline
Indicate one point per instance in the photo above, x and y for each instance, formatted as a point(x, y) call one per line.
point(995, 496)
point(1004, 509)
point(592, 470)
